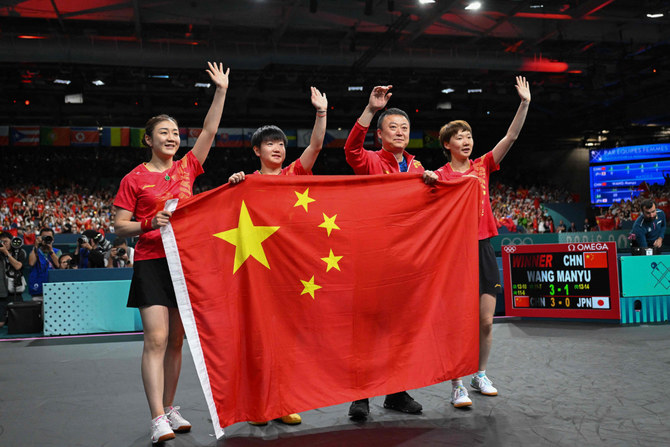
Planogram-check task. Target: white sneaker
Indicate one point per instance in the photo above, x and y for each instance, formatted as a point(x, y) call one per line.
point(483, 385)
point(459, 397)
point(177, 422)
point(160, 429)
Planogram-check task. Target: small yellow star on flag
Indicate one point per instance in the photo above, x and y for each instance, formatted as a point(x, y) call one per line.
point(303, 199)
point(309, 287)
point(247, 239)
point(332, 261)
point(329, 223)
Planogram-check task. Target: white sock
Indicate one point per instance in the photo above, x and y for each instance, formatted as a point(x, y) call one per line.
point(456, 382)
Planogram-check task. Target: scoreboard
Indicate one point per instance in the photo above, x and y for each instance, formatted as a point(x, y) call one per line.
point(616, 174)
point(578, 280)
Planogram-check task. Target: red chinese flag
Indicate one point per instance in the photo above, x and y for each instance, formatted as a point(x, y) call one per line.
point(521, 301)
point(595, 259)
point(300, 292)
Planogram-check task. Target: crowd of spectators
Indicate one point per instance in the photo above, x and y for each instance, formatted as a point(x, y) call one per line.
point(521, 209)
point(73, 191)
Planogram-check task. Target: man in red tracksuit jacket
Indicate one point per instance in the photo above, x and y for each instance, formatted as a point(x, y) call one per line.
point(393, 131)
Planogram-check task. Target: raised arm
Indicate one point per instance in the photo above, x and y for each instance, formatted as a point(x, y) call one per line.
point(379, 97)
point(505, 144)
point(320, 103)
point(204, 142)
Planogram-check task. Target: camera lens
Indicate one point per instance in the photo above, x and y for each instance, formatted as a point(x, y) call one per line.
point(17, 242)
point(120, 252)
point(82, 239)
point(48, 239)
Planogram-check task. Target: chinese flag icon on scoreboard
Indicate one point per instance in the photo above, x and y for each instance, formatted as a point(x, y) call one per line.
point(521, 301)
point(595, 259)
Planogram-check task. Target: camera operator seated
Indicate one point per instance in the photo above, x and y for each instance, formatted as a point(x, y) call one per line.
point(42, 258)
point(12, 283)
point(648, 230)
point(89, 251)
point(120, 255)
point(65, 261)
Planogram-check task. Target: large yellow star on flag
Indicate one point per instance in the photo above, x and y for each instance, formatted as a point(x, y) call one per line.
point(247, 239)
point(329, 223)
point(331, 261)
point(303, 199)
point(309, 287)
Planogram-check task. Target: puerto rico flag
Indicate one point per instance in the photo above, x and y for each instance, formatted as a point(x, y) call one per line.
point(25, 135)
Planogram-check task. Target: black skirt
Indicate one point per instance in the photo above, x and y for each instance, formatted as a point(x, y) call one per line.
point(151, 284)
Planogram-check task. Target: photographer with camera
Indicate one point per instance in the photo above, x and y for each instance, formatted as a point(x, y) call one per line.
point(42, 258)
point(90, 252)
point(120, 255)
point(65, 262)
point(12, 283)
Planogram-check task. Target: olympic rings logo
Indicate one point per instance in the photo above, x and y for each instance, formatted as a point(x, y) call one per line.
point(509, 248)
point(516, 241)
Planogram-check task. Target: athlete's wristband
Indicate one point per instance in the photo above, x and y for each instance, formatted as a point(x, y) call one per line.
point(146, 225)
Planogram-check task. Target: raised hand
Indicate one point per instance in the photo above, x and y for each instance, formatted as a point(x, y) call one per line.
point(319, 100)
point(218, 76)
point(522, 88)
point(379, 97)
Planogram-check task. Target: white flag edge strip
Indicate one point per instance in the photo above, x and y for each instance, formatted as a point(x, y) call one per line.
point(186, 313)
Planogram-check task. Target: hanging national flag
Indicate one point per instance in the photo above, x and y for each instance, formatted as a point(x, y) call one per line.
point(183, 137)
point(4, 135)
point(229, 137)
point(431, 139)
point(335, 138)
point(193, 134)
point(115, 136)
point(291, 137)
point(595, 259)
point(54, 136)
point(84, 136)
point(415, 139)
point(372, 141)
point(25, 135)
point(136, 136)
point(600, 302)
point(303, 137)
point(309, 298)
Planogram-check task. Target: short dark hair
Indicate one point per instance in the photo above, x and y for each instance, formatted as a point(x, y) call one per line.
point(119, 241)
point(268, 133)
point(6, 235)
point(43, 229)
point(646, 204)
point(449, 130)
point(388, 112)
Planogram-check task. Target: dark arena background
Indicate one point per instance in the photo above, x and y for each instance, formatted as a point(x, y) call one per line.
point(580, 336)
